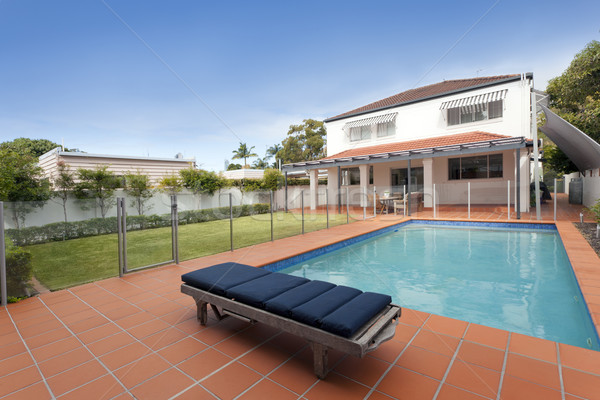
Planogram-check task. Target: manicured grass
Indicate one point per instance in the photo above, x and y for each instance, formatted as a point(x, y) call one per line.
point(62, 264)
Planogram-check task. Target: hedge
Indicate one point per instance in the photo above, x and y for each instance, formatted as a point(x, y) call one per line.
point(18, 271)
point(59, 231)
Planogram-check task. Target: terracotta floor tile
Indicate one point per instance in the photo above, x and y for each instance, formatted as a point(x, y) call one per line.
point(105, 387)
point(288, 342)
point(265, 358)
point(435, 342)
point(178, 316)
point(366, 370)
point(481, 355)
point(518, 389)
point(380, 396)
point(135, 320)
point(11, 350)
point(220, 331)
point(37, 391)
point(581, 384)
point(413, 317)
point(404, 333)
point(224, 387)
point(47, 338)
point(148, 328)
point(110, 343)
point(54, 349)
point(19, 380)
point(401, 383)
point(579, 358)
point(201, 365)
point(446, 326)
point(75, 377)
point(100, 332)
point(267, 389)
point(39, 328)
point(536, 371)
point(140, 370)
point(488, 336)
point(10, 338)
point(238, 345)
point(296, 375)
point(163, 386)
point(182, 350)
point(163, 338)
point(336, 387)
point(387, 351)
point(13, 364)
point(125, 355)
point(533, 347)
point(475, 379)
point(424, 362)
point(165, 308)
point(196, 392)
point(449, 392)
point(88, 323)
point(65, 361)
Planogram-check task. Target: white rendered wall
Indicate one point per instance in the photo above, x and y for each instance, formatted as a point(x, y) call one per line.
point(425, 119)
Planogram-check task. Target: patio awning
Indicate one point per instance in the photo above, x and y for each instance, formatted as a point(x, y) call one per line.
point(579, 147)
point(474, 100)
point(380, 119)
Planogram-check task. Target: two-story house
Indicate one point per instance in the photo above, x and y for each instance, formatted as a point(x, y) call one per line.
point(443, 135)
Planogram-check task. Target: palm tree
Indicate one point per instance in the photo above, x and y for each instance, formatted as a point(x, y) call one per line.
point(243, 152)
point(273, 150)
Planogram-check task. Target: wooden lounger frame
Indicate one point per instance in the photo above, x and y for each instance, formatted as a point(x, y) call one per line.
point(379, 329)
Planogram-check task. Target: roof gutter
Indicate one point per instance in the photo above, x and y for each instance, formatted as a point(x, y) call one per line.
point(528, 75)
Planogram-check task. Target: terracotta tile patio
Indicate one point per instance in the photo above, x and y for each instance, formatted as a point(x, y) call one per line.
point(137, 337)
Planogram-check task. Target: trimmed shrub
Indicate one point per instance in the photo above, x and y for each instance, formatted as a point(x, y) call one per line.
point(18, 270)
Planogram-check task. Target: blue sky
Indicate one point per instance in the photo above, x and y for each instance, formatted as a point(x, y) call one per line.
point(161, 77)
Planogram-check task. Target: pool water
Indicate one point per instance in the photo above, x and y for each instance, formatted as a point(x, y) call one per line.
point(518, 280)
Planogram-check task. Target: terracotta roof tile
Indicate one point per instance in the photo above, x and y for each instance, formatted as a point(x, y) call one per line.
point(425, 92)
point(447, 140)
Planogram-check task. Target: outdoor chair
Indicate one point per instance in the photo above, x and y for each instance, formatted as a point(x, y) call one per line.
point(326, 315)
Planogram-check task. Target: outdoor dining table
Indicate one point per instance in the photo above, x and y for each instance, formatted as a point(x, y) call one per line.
point(387, 201)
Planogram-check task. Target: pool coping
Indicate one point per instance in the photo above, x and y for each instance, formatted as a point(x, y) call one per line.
point(585, 263)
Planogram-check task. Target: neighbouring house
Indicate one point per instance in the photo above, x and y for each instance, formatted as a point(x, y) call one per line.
point(244, 173)
point(445, 135)
point(155, 168)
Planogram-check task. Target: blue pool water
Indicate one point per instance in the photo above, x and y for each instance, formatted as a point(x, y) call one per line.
point(519, 280)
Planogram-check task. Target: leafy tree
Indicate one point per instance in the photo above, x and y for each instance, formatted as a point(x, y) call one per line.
point(33, 147)
point(22, 184)
point(272, 152)
point(99, 184)
point(243, 152)
point(137, 185)
point(261, 163)
point(201, 181)
point(304, 142)
point(171, 185)
point(232, 167)
point(575, 96)
point(63, 185)
point(272, 179)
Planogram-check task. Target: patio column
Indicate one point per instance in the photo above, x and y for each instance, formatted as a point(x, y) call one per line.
point(313, 175)
point(428, 182)
point(364, 182)
point(333, 186)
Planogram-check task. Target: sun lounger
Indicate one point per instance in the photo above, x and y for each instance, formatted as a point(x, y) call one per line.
point(326, 315)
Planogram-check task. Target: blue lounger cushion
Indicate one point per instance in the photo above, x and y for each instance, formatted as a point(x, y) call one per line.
point(347, 319)
point(218, 278)
point(314, 310)
point(283, 303)
point(256, 292)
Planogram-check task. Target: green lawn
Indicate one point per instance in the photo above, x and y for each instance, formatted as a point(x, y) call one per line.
point(62, 264)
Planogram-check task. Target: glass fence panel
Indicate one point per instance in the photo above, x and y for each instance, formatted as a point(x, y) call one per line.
point(204, 225)
point(149, 231)
point(252, 219)
point(56, 244)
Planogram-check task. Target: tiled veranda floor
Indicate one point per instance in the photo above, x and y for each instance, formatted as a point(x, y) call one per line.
point(137, 337)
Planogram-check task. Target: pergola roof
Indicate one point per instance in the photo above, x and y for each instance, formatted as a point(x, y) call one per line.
point(442, 146)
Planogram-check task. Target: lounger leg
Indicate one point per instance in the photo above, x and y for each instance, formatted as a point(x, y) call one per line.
point(201, 311)
point(320, 360)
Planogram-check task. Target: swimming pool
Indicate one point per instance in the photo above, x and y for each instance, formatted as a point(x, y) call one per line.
point(518, 280)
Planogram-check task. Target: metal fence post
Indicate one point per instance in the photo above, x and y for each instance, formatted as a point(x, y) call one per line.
point(469, 200)
point(271, 215)
point(347, 205)
point(302, 206)
point(231, 221)
point(364, 200)
point(434, 213)
point(4, 299)
point(374, 201)
point(555, 199)
point(327, 205)
point(120, 235)
point(508, 199)
point(174, 229)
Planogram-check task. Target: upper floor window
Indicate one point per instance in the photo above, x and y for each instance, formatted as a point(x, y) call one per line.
point(386, 129)
point(478, 112)
point(378, 126)
point(360, 133)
